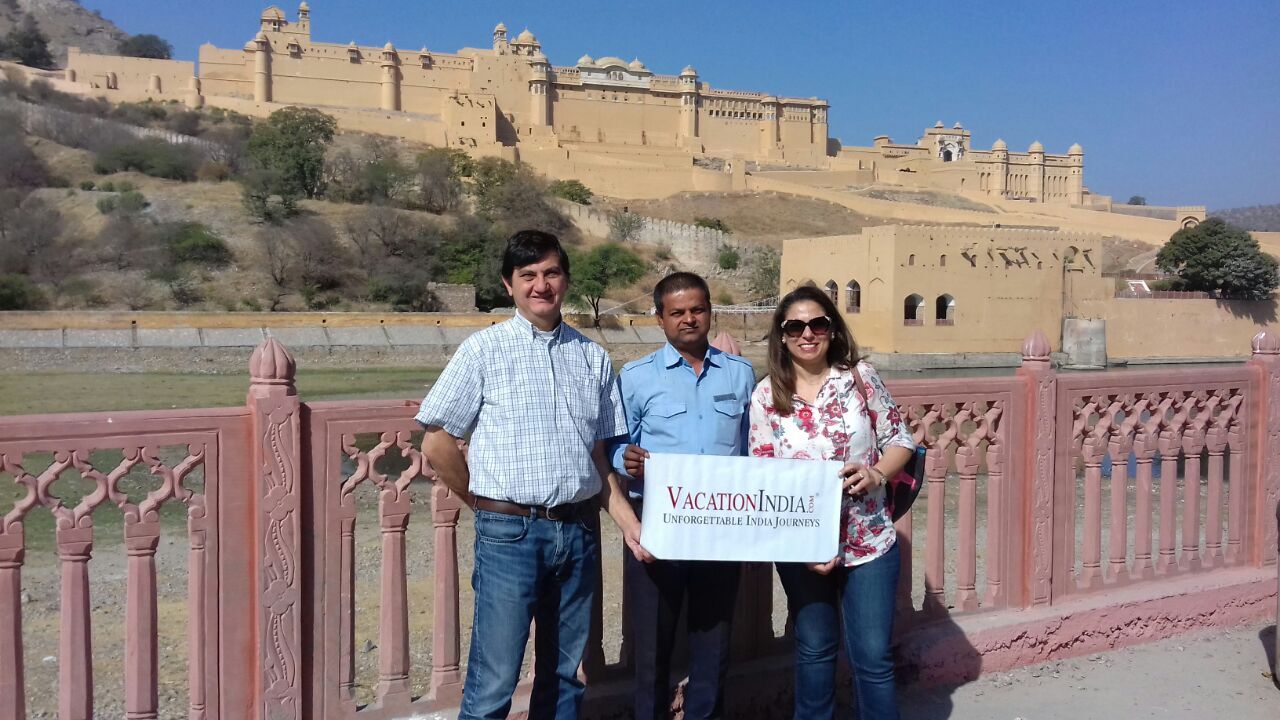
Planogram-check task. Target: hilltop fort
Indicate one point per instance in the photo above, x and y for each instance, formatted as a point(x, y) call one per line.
point(621, 127)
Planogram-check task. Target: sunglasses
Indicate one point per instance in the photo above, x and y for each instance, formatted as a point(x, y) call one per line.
point(820, 325)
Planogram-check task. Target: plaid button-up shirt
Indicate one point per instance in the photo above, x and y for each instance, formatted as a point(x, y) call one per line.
point(537, 401)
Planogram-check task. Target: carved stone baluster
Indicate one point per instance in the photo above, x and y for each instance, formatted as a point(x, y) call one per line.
point(1119, 448)
point(996, 528)
point(1235, 492)
point(935, 600)
point(935, 548)
point(446, 634)
point(346, 517)
point(1216, 443)
point(393, 624)
point(346, 605)
point(141, 700)
point(906, 611)
point(75, 642)
point(1170, 445)
point(1144, 447)
point(1092, 449)
point(967, 541)
point(197, 538)
point(13, 692)
point(1192, 446)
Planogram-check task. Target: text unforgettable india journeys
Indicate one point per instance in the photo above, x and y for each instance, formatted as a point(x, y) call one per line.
point(704, 507)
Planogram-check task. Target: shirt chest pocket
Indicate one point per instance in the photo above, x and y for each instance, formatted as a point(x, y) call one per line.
point(728, 419)
point(666, 420)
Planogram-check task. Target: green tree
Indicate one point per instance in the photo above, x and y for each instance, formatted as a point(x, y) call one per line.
point(713, 223)
point(28, 45)
point(291, 143)
point(439, 179)
point(145, 45)
point(729, 258)
point(488, 176)
point(571, 190)
point(1137, 200)
point(601, 269)
point(765, 272)
point(19, 293)
point(1215, 256)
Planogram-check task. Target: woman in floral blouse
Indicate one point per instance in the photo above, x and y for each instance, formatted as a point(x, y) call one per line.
point(810, 406)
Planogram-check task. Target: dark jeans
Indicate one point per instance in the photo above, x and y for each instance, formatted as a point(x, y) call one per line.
point(863, 598)
point(655, 592)
point(526, 569)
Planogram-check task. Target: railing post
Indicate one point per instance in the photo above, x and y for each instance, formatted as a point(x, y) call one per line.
point(1265, 411)
point(1041, 462)
point(276, 490)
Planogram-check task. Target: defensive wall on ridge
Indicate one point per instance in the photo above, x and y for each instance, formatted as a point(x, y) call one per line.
point(696, 247)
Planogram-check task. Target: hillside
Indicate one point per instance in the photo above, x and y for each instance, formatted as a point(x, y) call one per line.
point(1263, 218)
point(66, 23)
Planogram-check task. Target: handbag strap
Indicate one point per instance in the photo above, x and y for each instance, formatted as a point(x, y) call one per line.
point(862, 391)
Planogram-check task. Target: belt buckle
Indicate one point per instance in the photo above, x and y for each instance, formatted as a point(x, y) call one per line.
point(556, 513)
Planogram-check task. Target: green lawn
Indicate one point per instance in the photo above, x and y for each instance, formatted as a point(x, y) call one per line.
point(31, 393)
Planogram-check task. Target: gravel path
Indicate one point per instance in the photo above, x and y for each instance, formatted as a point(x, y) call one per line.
point(1212, 674)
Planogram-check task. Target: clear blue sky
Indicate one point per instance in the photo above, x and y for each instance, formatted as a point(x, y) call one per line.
point(1171, 100)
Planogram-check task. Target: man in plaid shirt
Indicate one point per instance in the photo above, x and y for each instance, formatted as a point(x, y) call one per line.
point(540, 401)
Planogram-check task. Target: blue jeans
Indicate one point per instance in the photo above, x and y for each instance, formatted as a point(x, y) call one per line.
point(863, 598)
point(525, 570)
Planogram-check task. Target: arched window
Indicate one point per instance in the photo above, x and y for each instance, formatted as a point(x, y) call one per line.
point(944, 310)
point(834, 291)
point(911, 259)
point(913, 310)
point(853, 297)
point(942, 261)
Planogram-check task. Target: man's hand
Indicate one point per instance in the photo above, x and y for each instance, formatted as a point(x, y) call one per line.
point(631, 537)
point(824, 568)
point(633, 461)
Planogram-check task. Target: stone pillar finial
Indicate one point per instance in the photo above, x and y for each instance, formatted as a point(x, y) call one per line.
point(1036, 347)
point(1266, 343)
point(271, 364)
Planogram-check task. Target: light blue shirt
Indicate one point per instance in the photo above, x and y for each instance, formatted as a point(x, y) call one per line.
point(537, 402)
point(669, 409)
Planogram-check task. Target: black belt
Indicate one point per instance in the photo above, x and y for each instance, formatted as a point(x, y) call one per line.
point(568, 511)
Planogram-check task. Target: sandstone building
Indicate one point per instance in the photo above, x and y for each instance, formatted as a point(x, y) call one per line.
point(615, 124)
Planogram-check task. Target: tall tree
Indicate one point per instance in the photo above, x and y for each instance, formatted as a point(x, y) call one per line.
point(1217, 257)
point(292, 143)
point(601, 269)
point(145, 45)
point(28, 45)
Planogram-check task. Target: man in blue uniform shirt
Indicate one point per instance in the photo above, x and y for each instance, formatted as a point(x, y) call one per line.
point(690, 398)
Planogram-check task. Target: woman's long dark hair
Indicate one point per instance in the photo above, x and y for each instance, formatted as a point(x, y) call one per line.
point(842, 352)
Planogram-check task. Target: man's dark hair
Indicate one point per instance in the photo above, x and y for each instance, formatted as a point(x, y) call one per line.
point(527, 247)
point(677, 281)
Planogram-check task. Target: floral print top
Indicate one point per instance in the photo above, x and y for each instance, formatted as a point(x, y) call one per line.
point(836, 428)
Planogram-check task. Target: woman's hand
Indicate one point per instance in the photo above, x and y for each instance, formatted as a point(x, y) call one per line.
point(859, 478)
point(824, 568)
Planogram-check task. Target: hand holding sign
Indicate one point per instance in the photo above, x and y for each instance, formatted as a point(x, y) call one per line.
point(706, 507)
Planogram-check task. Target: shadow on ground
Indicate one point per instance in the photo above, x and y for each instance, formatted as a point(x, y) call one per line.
point(1269, 646)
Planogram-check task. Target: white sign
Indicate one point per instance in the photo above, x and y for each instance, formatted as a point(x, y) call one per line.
point(710, 507)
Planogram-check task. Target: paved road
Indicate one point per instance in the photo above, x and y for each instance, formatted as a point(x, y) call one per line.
point(1213, 674)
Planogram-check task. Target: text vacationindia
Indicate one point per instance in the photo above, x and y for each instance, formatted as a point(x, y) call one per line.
point(757, 508)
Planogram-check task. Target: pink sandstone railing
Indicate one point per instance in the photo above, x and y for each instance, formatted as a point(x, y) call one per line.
point(274, 541)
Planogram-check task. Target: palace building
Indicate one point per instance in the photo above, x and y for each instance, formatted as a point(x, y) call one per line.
point(616, 124)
